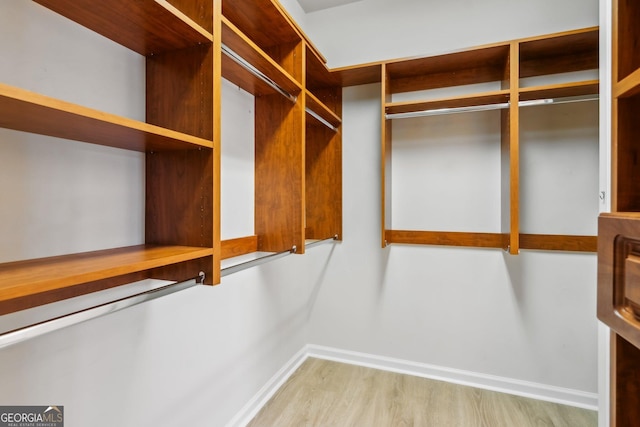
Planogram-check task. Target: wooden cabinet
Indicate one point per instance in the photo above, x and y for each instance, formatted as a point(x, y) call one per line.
point(494, 83)
point(619, 232)
point(190, 46)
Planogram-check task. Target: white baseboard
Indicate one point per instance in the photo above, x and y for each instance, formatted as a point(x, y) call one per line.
point(261, 398)
point(532, 390)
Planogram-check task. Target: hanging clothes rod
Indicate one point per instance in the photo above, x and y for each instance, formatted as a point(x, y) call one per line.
point(489, 107)
point(320, 242)
point(259, 74)
point(255, 262)
point(28, 332)
point(320, 119)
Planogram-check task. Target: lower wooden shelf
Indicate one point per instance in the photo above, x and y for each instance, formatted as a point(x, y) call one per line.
point(549, 242)
point(23, 282)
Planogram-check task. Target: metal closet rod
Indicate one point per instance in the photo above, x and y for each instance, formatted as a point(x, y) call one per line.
point(33, 331)
point(255, 262)
point(270, 257)
point(320, 119)
point(488, 107)
point(320, 242)
point(253, 70)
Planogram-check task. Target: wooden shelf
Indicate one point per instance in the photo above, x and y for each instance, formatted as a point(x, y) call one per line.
point(144, 26)
point(239, 246)
point(253, 54)
point(27, 278)
point(315, 105)
point(551, 242)
point(447, 238)
point(359, 75)
point(261, 20)
point(486, 98)
point(30, 112)
point(563, 90)
point(479, 65)
point(560, 53)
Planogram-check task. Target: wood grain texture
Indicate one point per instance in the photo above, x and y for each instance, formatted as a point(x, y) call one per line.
point(626, 144)
point(618, 238)
point(589, 87)
point(471, 100)
point(386, 132)
point(560, 53)
point(625, 383)
point(554, 242)
point(261, 21)
point(468, 67)
point(446, 238)
point(26, 278)
point(627, 38)
point(30, 112)
point(144, 26)
point(258, 58)
point(279, 173)
point(238, 246)
point(319, 108)
point(324, 393)
point(323, 182)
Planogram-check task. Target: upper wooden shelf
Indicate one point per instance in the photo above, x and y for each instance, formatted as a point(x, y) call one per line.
point(315, 105)
point(262, 21)
point(560, 53)
point(563, 90)
point(28, 278)
point(473, 100)
point(144, 26)
point(318, 75)
point(238, 42)
point(479, 65)
point(30, 112)
point(359, 74)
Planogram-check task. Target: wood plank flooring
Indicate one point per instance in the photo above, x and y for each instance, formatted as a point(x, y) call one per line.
point(330, 394)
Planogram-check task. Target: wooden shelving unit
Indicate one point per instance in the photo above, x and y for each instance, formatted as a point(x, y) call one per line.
point(503, 67)
point(298, 162)
point(619, 231)
point(179, 143)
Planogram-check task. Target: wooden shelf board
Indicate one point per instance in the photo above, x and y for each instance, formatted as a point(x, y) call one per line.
point(317, 73)
point(27, 278)
point(358, 74)
point(447, 238)
point(588, 87)
point(628, 86)
point(261, 20)
point(560, 53)
point(485, 98)
point(314, 104)
point(478, 65)
point(144, 26)
point(31, 112)
point(253, 54)
point(553, 242)
point(239, 246)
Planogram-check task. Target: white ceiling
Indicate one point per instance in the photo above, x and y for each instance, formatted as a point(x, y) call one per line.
point(315, 5)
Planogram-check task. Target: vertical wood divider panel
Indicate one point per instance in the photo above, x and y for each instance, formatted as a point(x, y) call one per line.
point(511, 153)
point(386, 133)
point(217, 137)
point(179, 184)
point(279, 174)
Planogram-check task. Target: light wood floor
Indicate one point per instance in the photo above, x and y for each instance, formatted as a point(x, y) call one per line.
point(329, 394)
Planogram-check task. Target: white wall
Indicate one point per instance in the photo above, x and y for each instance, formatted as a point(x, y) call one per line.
point(529, 317)
point(196, 357)
point(193, 358)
